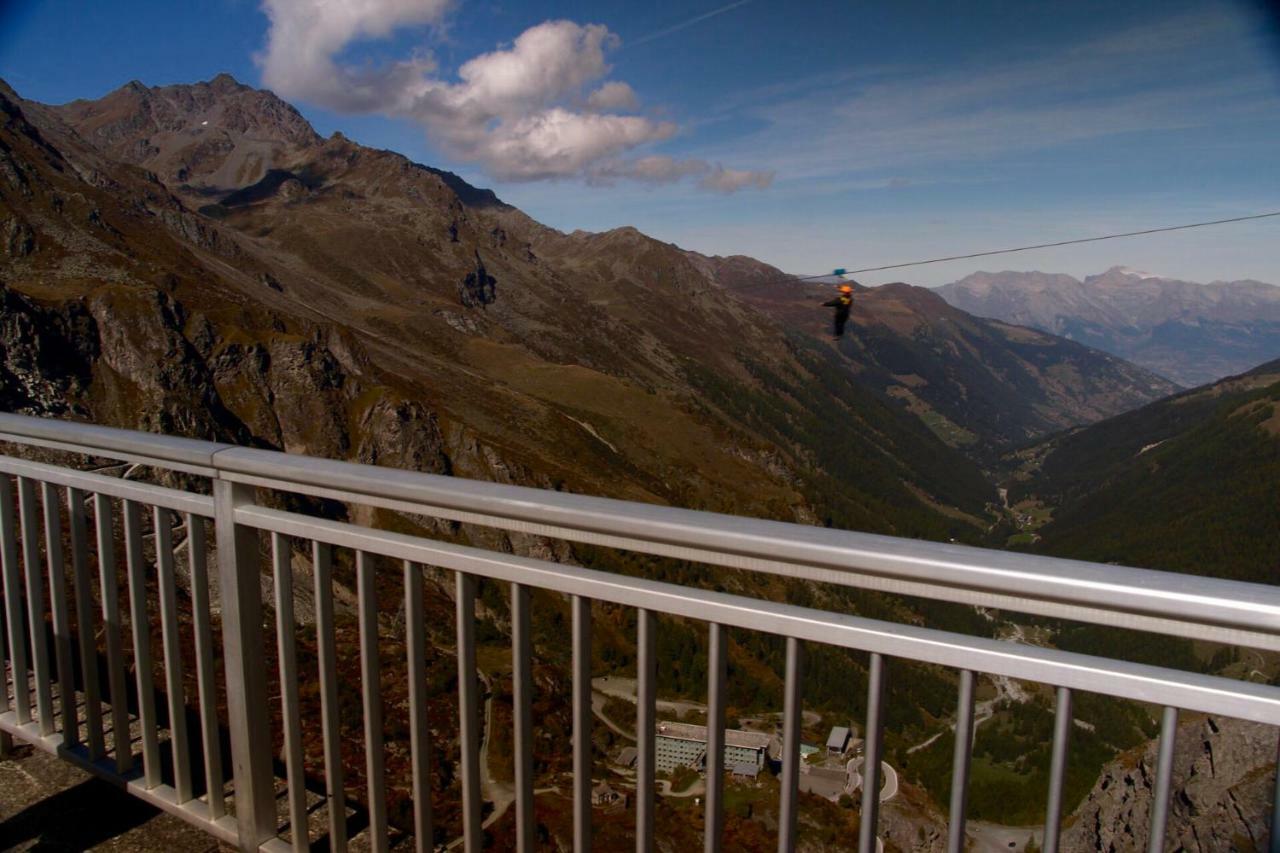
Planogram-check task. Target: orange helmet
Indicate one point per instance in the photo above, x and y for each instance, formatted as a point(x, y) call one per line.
point(844, 288)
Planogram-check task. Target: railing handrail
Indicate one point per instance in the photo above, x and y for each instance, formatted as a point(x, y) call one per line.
point(1178, 604)
point(1137, 681)
point(1225, 610)
point(166, 451)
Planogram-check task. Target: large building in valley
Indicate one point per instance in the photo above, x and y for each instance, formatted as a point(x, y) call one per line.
point(685, 745)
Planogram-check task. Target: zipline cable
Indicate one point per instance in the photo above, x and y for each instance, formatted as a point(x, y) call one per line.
point(1043, 245)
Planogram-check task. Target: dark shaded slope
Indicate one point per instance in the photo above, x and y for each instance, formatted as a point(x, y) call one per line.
point(1190, 484)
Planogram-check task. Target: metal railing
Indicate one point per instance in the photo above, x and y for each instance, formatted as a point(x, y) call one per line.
point(1180, 605)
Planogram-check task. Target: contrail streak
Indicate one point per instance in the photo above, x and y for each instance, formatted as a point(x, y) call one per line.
point(689, 23)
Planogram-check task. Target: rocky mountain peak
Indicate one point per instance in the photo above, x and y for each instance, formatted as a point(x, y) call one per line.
point(1124, 276)
point(224, 83)
point(211, 136)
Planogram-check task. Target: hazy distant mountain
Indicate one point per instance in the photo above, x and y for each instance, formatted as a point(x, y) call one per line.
point(1191, 333)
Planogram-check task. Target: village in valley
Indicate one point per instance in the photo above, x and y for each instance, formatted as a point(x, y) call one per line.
point(752, 752)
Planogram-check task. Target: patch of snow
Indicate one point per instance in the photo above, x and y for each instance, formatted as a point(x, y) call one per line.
point(1138, 273)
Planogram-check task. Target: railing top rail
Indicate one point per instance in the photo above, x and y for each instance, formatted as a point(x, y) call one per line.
point(1188, 598)
point(1141, 682)
point(183, 454)
point(817, 553)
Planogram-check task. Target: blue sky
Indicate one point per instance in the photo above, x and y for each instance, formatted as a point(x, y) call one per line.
point(810, 135)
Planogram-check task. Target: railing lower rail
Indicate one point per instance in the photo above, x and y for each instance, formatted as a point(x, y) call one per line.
point(50, 652)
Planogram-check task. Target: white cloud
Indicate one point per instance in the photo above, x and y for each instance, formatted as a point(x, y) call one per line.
point(305, 35)
point(725, 180)
point(659, 169)
point(558, 143)
point(614, 95)
point(519, 112)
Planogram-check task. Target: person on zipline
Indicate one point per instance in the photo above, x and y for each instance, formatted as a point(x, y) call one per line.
point(842, 304)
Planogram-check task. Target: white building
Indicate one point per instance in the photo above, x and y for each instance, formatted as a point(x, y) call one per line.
point(685, 745)
point(838, 740)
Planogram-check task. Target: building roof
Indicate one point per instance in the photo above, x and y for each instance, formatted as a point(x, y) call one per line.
point(627, 756)
point(838, 738)
point(732, 737)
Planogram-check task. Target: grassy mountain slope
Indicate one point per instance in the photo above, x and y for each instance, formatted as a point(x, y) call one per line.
point(1189, 484)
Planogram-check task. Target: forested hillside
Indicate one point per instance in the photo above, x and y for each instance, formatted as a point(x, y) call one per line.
point(1191, 483)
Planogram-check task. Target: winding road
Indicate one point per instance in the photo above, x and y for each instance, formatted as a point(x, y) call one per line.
point(887, 792)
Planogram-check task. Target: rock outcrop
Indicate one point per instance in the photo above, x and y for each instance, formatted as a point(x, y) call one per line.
point(45, 355)
point(478, 288)
point(1223, 777)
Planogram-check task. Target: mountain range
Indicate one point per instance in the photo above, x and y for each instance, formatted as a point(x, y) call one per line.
point(196, 260)
point(1191, 333)
point(251, 280)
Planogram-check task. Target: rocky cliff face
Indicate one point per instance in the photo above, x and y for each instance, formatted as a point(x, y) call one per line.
point(45, 355)
point(1223, 778)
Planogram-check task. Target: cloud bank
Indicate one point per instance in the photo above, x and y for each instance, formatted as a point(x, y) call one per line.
point(541, 109)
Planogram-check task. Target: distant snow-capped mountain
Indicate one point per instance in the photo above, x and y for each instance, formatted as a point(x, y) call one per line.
point(1192, 333)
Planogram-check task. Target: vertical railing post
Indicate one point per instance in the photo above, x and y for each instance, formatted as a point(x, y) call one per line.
point(522, 703)
point(35, 603)
point(646, 720)
point(1275, 803)
point(469, 711)
point(960, 764)
point(415, 629)
point(13, 605)
point(792, 713)
point(873, 745)
point(1062, 722)
point(242, 639)
point(1164, 781)
point(717, 664)
point(327, 653)
point(78, 527)
point(6, 739)
point(581, 633)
